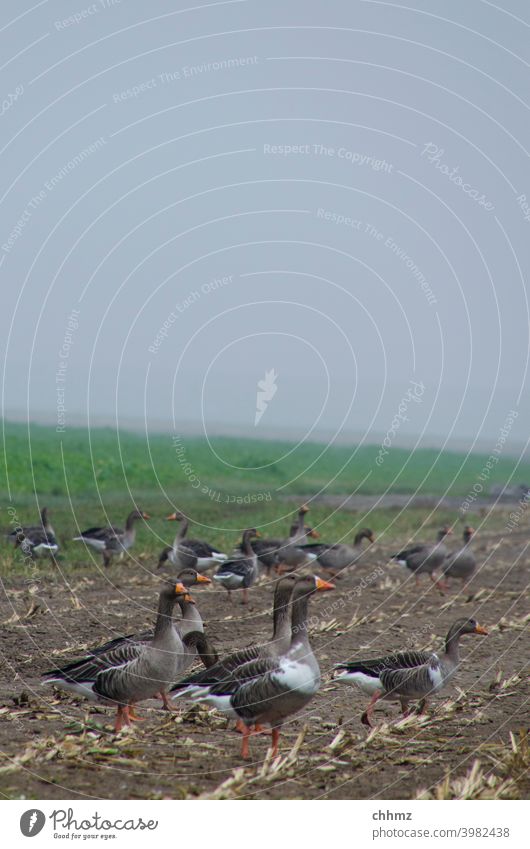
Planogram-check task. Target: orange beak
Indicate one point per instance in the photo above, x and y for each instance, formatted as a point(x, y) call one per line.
point(314, 535)
point(180, 588)
point(171, 518)
point(304, 508)
point(202, 579)
point(189, 599)
point(146, 516)
point(480, 630)
point(323, 585)
point(258, 534)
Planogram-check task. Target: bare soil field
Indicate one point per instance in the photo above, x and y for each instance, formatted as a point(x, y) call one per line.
point(470, 744)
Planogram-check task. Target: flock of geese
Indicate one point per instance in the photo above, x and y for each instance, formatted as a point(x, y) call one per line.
point(259, 685)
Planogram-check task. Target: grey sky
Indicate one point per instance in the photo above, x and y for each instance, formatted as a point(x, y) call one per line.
point(350, 173)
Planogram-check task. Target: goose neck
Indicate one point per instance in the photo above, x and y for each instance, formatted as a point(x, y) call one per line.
point(299, 623)
point(164, 619)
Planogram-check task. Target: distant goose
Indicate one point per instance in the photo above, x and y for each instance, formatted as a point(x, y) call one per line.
point(130, 669)
point(462, 563)
point(35, 540)
point(425, 558)
point(409, 675)
point(287, 552)
point(184, 552)
point(270, 689)
point(335, 558)
point(111, 540)
point(241, 572)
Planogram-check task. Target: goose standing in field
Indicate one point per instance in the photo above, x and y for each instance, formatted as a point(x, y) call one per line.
point(425, 558)
point(278, 645)
point(79, 676)
point(409, 675)
point(184, 552)
point(138, 671)
point(269, 690)
point(36, 540)
point(335, 558)
point(278, 553)
point(111, 540)
point(462, 563)
point(241, 572)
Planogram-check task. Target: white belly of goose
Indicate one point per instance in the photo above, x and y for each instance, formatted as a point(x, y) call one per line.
point(367, 683)
point(297, 676)
point(44, 549)
point(438, 680)
point(98, 544)
point(229, 580)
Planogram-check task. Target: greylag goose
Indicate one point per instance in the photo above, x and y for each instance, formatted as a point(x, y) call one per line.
point(242, 571)
point(425, 558)
point(462, 563)
point(409, 675)
point(134, 671)
point(278, 553)
point(335, 558)
point(278, 645)
point(268, 690)
point(184, 552)
point(79, 675)
point(111, 540)
point(36, 540)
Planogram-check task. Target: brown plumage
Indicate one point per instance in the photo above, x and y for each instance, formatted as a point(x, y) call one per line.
point(110, 540)
point(407, 676)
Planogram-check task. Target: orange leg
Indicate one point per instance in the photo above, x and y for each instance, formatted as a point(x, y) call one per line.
point(275, 740)
point(133, 716)
point(245, 753)
point(240, 726)
point(122, 717)
point(165, 700)
point(438, 584)
point(368, 713)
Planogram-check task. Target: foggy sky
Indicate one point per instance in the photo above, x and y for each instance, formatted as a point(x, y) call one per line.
point(331, 191)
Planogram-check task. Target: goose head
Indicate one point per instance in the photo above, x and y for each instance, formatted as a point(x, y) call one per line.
point(190, 578)
point(365, 533)
point(177, 516)
point(466, 626)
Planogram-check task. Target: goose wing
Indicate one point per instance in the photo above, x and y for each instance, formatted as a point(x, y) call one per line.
point(374, 666)
point(219, 672)
point(88, 668)
point(414, 682)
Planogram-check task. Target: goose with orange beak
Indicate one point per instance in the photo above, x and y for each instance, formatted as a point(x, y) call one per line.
point(187, 640)
point(132, 671)
point(111, 540)
point(188, 553)
point(269, 690)
point(407, 676)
